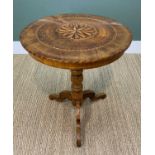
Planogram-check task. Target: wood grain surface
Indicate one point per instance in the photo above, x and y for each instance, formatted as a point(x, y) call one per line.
point(44, 127)
point(76, 41)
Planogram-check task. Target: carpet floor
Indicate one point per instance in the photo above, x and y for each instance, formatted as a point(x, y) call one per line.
point(109, 127)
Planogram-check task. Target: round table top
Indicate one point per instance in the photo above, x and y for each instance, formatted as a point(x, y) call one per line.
point(75, 41)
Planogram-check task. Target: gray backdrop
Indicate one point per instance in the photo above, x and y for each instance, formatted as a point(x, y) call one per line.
point(125, 11)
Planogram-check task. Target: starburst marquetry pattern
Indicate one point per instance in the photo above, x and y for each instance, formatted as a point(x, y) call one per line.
point(77, 31)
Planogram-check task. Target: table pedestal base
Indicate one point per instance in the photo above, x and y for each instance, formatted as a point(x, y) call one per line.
point(77, 95)
point(66, 95)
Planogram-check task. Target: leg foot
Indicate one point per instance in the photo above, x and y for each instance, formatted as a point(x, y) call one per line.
point(78, 126)
point(91, 94)
point(61, 96)
point(99, 96)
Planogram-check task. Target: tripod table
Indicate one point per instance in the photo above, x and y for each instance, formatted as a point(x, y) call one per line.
point(76, 42)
